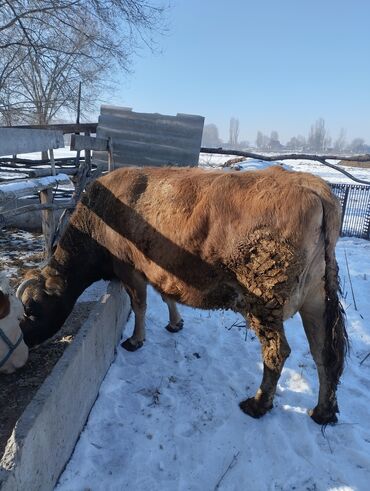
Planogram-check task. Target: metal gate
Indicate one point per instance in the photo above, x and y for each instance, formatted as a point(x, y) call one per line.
point(355, 202)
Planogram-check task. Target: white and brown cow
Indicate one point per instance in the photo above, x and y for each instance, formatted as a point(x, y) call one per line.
point(260, 243)
point(13, 350)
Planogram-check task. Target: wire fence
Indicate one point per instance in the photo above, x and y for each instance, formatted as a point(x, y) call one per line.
point(355, 202)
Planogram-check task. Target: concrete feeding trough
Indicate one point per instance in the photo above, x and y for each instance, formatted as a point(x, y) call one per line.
point(45, 435)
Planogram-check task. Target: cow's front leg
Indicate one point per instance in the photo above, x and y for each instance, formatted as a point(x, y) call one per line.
point(275, 350)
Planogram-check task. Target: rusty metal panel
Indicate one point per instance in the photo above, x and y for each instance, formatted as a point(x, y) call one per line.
point(14, 141)
point(149, 139)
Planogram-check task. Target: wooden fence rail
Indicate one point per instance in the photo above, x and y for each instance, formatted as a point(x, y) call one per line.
point(10, 193)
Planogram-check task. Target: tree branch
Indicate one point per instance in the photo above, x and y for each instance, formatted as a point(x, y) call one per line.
point(297, 156)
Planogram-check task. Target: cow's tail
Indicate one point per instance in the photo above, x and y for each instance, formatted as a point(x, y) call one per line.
point(336, 339)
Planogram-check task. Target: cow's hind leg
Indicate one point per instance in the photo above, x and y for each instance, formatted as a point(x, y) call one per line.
point(325, 335)
point(136, 288)
point(275, 350)
point(176, 323)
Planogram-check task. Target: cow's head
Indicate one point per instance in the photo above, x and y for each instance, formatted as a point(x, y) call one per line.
point(46, 306)
point(13, 350)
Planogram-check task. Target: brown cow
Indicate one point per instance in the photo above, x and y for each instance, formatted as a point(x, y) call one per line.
point(259, 243)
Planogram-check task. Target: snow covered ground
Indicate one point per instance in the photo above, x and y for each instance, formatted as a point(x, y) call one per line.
point(167, 416)
point(327, 173)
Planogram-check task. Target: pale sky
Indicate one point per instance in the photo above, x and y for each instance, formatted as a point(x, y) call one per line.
point(274, 65)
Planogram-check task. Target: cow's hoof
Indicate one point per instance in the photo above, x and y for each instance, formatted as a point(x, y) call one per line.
point(175, 328)
point(323, 417)
point(129, 346)
point(254, 408)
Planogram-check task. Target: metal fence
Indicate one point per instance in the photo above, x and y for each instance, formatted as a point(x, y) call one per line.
point(355, 201)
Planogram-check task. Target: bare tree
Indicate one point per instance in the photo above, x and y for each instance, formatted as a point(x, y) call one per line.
point(297, 143)
point(262, 141)
point(44, 84)
point(318, 139)
point(116, 22)
point(210, 136)
point(274, 136)
point(47, 46)
point(357, 145)
point(234, 132)
point(340, 142)
point(274, 143)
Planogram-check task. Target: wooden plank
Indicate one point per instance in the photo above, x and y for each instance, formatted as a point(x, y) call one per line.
point(52, 162)
point(85, 142)
point(25, 187)
point(17, 140)
point(64, 128)
point(35, 172)
point(47, 221)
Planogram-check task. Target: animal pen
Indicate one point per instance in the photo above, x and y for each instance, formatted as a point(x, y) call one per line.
point(92, 351)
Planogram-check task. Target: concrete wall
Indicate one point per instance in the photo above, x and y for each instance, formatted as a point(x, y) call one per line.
point(45, 435)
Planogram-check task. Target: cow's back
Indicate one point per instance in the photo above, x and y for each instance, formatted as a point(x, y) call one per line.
point(205, 237)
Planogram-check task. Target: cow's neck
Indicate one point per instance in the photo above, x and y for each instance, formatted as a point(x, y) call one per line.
point(78, 273)
point(80, 261)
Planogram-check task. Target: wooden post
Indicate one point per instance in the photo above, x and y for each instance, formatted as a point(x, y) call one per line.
point(110, 155)
point(48, 221)
point(77, 161)
point(88, 154)
point(52, 162)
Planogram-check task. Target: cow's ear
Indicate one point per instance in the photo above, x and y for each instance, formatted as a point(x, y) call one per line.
point(54, 285)
point(4, 305)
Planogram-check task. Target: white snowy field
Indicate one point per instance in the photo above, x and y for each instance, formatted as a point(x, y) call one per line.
point(312, 166)
point(167, 416)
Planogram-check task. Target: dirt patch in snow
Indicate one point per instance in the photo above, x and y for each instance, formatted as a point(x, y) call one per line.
point(353, 163)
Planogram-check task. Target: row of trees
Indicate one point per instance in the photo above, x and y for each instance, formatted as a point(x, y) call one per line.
point(48, 46)
point(318, 140)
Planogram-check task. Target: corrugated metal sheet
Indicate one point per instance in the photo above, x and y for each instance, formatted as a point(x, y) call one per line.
point(18, 140)
point(149, 139)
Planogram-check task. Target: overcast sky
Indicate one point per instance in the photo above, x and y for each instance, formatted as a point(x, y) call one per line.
point(275, 65)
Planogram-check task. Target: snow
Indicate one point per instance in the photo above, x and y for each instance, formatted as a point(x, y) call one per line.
point(301, 165)
point(327, 173)
point(58, 153)
point(167, 416)
point(95, 291)
point(5, 172)
point(29, 184)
